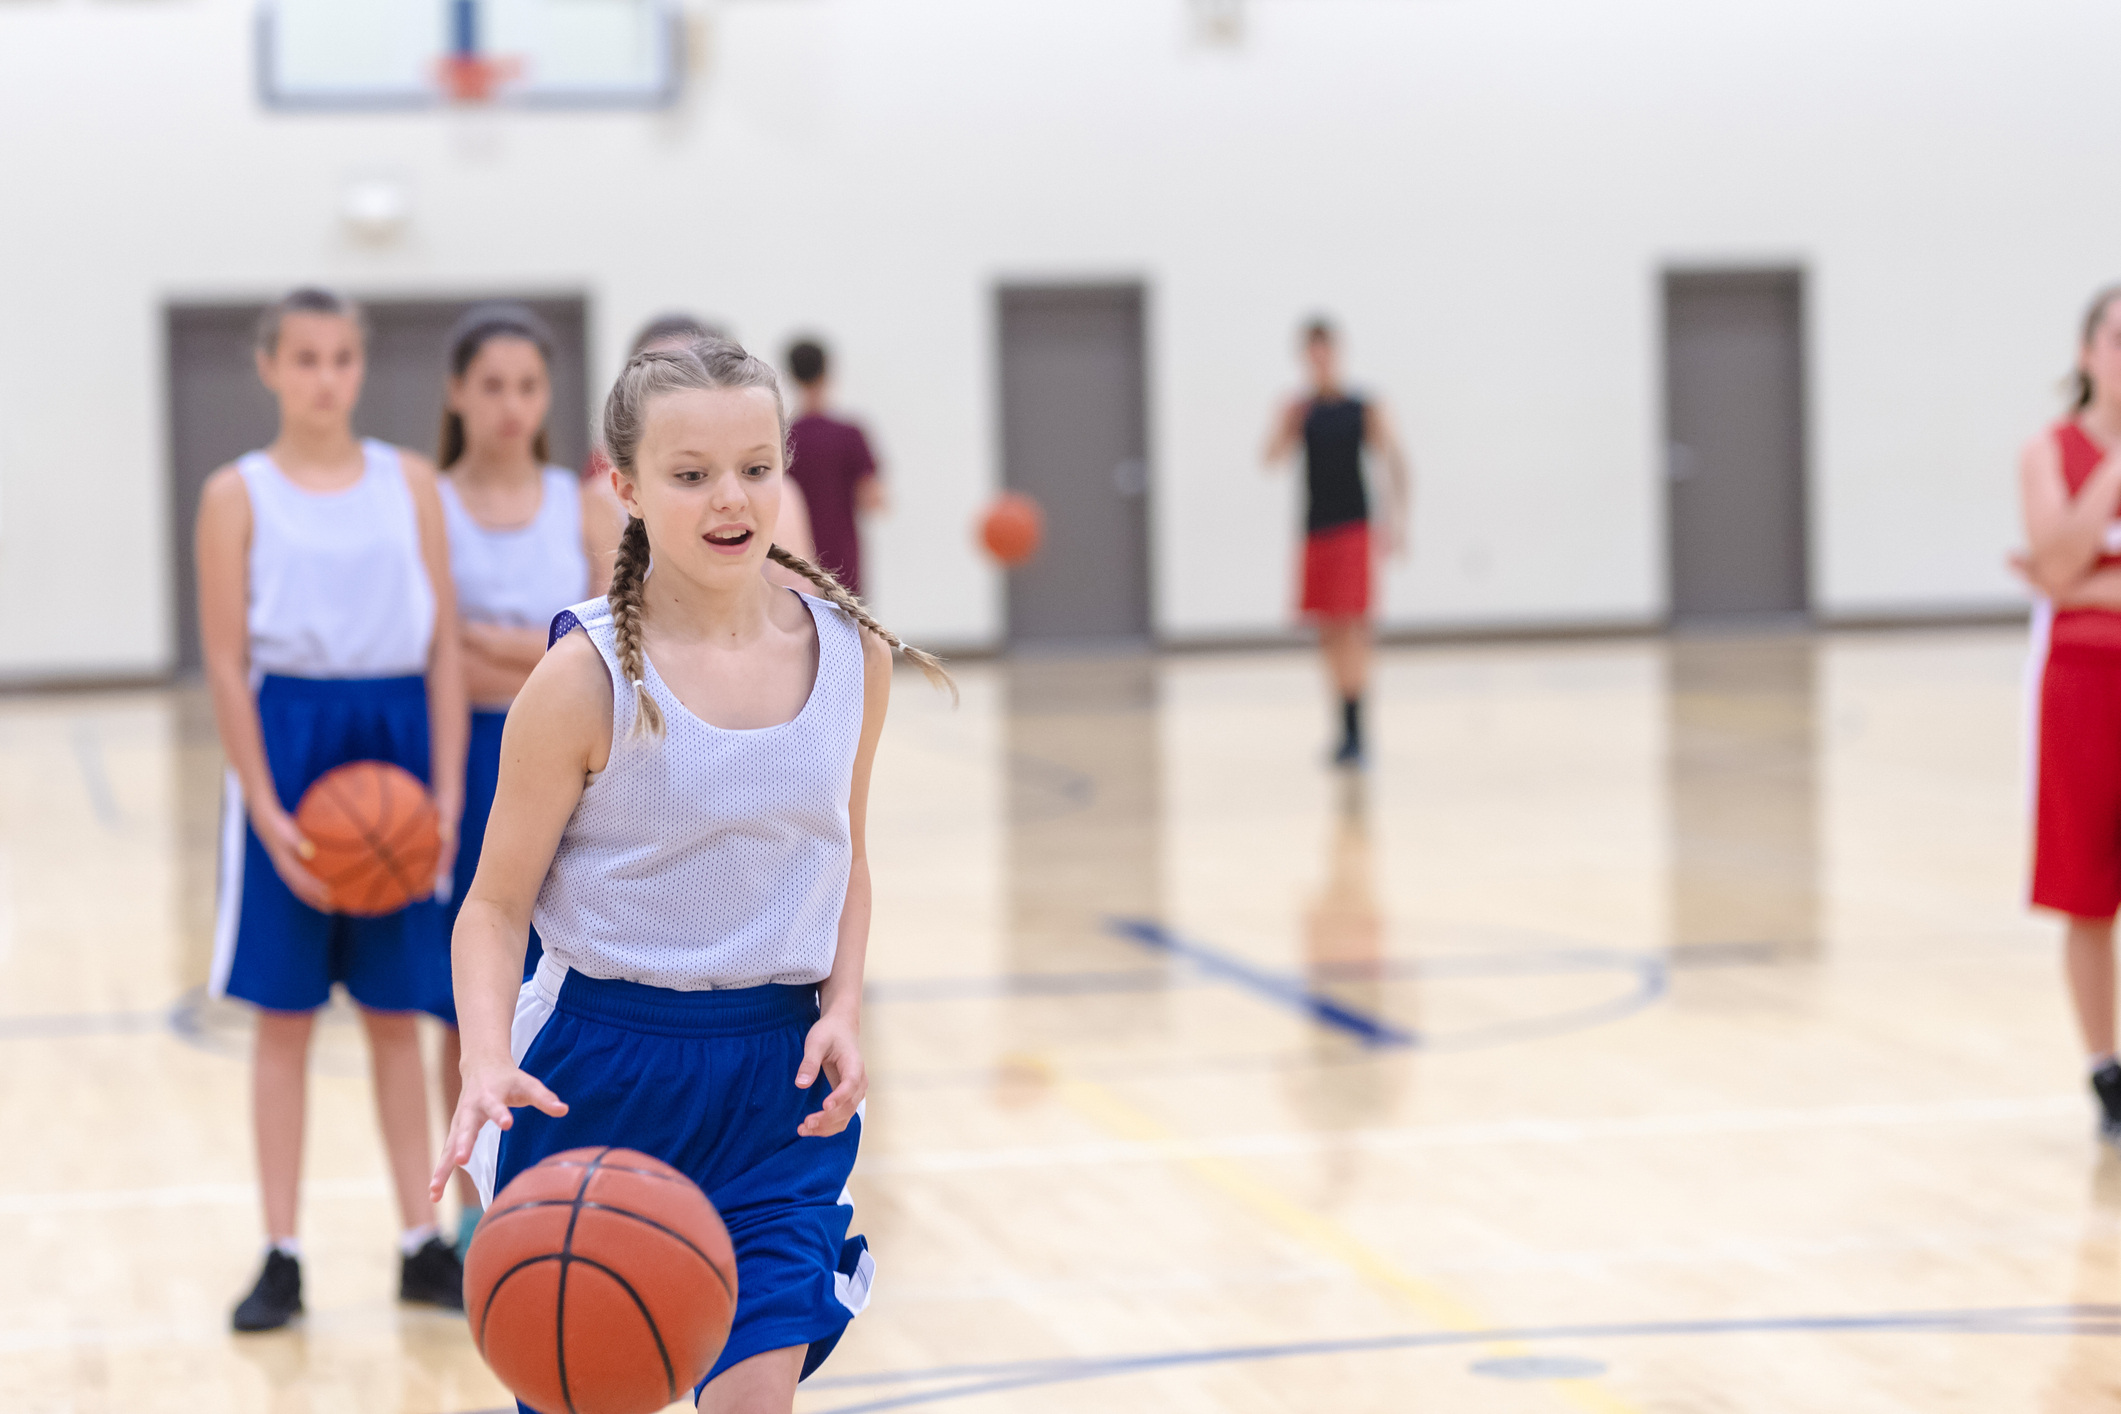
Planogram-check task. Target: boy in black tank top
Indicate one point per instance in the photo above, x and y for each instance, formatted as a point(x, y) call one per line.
point(1334, 427)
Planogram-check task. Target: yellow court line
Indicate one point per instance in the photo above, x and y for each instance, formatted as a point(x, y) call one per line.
point(1107, 1110)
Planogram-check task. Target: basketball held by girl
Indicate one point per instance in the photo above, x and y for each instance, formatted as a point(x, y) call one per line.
point(526, 539)
point(682, 816)
point(328, 621)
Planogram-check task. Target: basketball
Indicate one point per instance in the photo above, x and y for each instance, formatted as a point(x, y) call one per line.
point(1012, 528)
point(624, 1258)
point(377, 837)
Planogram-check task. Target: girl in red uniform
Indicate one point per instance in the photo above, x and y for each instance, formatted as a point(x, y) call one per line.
point(2069, 481)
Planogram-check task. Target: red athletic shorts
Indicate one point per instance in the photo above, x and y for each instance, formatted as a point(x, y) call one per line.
point(1337, 571)
point(2077, 830)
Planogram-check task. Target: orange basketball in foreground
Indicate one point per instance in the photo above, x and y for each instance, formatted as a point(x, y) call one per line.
point(377, 836)
point(1012, 528)
point(601, 1281)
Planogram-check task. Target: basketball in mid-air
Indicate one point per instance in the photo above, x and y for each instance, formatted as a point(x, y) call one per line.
point(601, 1281)
point(1012, 528)
point(377, 836)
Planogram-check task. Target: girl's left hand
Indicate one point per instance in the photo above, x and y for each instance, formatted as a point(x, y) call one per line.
point(833, 1046)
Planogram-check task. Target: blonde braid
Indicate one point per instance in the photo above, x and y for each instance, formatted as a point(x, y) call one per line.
point(627, 571)
point(839, 595)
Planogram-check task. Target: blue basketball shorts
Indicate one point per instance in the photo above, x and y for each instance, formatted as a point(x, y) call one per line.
point(482, 776)
point(270, 948)
point(704, 1081)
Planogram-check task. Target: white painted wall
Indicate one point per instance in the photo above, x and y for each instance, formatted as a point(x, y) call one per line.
point(1484, 191)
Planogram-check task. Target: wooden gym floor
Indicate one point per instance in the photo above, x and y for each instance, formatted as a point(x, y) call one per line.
point(1657, 1027)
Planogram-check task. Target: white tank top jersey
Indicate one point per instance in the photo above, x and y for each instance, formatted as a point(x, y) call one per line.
point(710, 858)
point(337, 585)
point(522, 576)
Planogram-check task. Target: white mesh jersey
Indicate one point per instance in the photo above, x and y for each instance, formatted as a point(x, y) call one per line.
point(709, 858)
point(520, 576)
point(337, 585)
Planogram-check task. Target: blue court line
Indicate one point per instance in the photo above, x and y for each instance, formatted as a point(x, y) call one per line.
point(1649, 971)
point(1370, 1030)
point(1552, 962)
point(1652, 980)
point(2073, 1320)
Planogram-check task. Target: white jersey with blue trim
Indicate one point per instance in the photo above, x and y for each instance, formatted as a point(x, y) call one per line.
point(338, 587)
point(520, 576)
point(709, 857)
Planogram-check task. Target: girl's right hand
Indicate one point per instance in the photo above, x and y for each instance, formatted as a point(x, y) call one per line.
point(287, 848)
point(489, 1093)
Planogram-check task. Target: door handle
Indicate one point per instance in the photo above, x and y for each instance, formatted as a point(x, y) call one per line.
point(1131, 478)
point(1680, 463)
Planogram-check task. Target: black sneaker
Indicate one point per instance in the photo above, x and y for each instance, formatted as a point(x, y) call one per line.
point(2106, 1084)
point(433, 1276)
point(276, 1299)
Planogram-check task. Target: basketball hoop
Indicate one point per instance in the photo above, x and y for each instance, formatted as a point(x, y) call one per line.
point(472, 78)
point(464, 73)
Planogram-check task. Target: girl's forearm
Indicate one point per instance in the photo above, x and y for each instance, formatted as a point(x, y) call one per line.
point(2070, 549)
point(242, 739)
point(486, 959)
point(2057, 565)
point(842, 990)
point(2099, 590)
point(449, 721)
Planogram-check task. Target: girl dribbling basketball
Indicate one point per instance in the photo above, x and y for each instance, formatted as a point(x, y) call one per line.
point(329, 627)
point(2069, 483)
point(684, 786)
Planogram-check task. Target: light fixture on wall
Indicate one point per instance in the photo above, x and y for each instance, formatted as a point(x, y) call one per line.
point(1217, 24)
point(376, 210)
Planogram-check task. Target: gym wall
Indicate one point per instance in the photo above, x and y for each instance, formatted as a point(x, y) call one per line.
point(1484, 194)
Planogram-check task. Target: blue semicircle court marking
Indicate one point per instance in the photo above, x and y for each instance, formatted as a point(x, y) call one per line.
point(1370, 1030)
point(969, 1381)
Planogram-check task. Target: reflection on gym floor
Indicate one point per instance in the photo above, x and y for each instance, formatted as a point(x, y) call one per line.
point(1742, 763)
point(1642, 988)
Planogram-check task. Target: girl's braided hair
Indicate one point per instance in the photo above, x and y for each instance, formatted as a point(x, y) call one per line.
point(705, 363)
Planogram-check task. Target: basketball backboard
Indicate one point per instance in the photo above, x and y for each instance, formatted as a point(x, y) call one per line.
point(332, 54)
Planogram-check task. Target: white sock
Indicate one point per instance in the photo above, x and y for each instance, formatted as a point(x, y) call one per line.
point(414, 1238)
point(286, 1247)
point(2101, 1062)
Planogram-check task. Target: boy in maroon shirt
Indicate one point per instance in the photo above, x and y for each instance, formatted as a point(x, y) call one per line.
point(832, 462)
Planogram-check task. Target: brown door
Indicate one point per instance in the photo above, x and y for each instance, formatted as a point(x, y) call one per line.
point(1734, 417)
point(1075, 439)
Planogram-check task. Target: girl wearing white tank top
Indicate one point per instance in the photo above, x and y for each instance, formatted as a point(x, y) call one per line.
point(526, 539)
point(682, 811)
point(328, 621)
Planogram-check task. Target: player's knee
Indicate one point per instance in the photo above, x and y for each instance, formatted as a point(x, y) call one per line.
point(2091, 935)
point(285, 1030)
